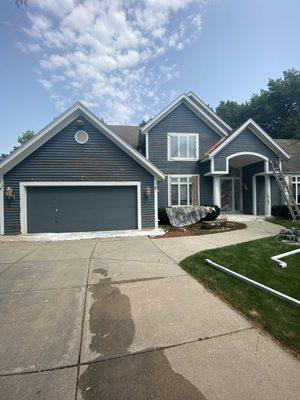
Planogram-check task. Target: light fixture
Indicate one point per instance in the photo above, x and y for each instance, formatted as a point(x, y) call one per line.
point(9, 193)
point(148, 191)
point(246, 186)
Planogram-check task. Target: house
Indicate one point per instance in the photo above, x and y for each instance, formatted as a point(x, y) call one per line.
point(80, 174)
point(291, 167)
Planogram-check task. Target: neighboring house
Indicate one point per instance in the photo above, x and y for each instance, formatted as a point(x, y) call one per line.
point(79, 174)
point(291, 167)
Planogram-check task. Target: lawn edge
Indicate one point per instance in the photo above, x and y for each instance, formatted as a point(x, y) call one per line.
point(255, 323)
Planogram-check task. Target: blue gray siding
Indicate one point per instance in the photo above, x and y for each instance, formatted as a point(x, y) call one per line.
point(181, 119)
point(246, 141)
point(63, 159)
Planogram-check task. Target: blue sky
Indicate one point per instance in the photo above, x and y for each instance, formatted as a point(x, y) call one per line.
point(126, 59)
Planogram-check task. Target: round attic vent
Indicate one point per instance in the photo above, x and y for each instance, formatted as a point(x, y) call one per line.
point(81, 137)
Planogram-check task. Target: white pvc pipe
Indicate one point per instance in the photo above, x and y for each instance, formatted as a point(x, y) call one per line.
point(253, 283)
point(279, 256)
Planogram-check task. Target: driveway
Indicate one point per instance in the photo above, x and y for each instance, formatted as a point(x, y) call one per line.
point(119, 319)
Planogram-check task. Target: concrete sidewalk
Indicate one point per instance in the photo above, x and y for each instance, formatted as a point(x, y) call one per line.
point(119, 319)
point(182, 247)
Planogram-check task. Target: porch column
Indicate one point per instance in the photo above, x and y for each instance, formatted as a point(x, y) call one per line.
point(217, 190)
point(267, 196)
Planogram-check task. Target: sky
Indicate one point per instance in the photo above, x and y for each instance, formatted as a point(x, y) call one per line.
point(127, 59)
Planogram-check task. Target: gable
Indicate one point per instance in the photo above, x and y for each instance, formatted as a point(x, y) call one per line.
point(246, 141)
point(255, 130)
point(182, 119)
point(62, 155)
point(77, 110)
point(183, 99)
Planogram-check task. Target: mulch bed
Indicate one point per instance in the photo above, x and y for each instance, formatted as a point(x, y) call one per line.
point(196, 229)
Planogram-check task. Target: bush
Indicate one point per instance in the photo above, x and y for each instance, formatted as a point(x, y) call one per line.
point(212, 215)
point(163, 216)
point(281, 211)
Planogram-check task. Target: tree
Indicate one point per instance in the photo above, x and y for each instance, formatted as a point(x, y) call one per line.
point(25, 137)
point(22, 139)
point(276, 109)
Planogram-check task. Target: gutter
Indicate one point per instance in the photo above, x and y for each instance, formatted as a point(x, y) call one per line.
point(253, 283)
point(279, 256)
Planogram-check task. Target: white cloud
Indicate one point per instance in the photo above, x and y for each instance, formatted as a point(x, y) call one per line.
point(110, 53)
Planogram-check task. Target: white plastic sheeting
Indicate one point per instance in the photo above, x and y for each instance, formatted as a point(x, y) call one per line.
point(188, 215)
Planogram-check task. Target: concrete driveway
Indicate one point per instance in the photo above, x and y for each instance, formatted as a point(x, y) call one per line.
point(118, 319)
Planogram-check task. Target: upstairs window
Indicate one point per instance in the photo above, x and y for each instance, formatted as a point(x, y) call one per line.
point(183, 146)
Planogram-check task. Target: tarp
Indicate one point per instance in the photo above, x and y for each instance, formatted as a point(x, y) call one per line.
point(183, 216)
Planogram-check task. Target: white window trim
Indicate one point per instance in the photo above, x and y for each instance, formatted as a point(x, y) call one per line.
point(23, 196)
point(181, 176)
point(177, 134)
point(297, 178)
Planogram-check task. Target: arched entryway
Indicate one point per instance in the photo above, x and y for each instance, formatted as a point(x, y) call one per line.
point(245, 185)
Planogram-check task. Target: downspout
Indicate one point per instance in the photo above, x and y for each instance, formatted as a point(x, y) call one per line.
point(253, 283)
point(279, 256)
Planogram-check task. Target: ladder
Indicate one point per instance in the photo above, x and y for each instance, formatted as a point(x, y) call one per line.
point(286, 191)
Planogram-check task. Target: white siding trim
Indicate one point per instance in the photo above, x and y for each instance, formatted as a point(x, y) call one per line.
point(1, 205)
point(155, 203)
point(147, 145)
point(241, 153)
point(209, 110)
point(268, 199)
point(23, 196)
point(254, 196)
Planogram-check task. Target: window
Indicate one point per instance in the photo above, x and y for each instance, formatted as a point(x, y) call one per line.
point(296, 187)
point(183, 190)
point(183, 146)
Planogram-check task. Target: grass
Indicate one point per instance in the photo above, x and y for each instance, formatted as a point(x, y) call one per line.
point(196, 229)
point(252, 259)
point(287, 223)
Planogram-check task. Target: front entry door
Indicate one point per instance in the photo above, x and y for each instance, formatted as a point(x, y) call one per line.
point(230, 194)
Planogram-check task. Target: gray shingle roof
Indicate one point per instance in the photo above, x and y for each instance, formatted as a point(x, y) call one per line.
point(130, 133)
point(292, 146)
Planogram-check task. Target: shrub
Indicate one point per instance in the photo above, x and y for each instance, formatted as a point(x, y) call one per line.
point(212, 215)
point(281, 211)
point(163, 216)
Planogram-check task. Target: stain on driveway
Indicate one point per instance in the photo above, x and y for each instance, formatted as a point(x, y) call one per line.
point(143, 376)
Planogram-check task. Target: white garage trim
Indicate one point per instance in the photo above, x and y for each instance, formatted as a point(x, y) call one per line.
point(23, 196)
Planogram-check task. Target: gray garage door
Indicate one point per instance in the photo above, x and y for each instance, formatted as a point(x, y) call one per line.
point(81, 208)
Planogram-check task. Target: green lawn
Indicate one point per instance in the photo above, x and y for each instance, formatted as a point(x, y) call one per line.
point(287, 223)
point(252, 259)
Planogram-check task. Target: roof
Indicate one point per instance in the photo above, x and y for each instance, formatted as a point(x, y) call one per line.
point(200, 111)
point(258, 131)
point(210, 111)
point(61, 122)
point(130, 133)
point(292, 146)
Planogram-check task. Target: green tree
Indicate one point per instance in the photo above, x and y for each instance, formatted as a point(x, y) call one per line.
point(25, 137)
point(22, 139)
point(276, 109)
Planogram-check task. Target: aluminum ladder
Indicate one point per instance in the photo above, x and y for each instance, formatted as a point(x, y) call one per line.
point(286, 191)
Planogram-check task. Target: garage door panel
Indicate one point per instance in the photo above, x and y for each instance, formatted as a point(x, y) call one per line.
point(82, 208)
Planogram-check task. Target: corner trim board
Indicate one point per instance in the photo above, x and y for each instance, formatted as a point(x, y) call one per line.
point(1, 205)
